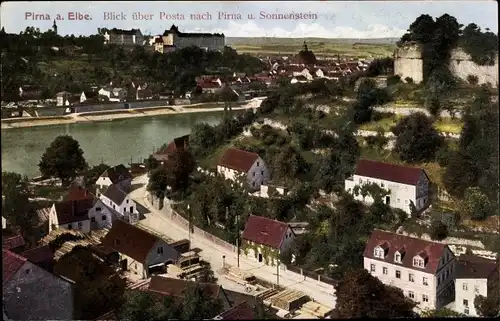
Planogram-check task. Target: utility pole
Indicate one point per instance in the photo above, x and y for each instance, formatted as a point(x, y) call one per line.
point(278, 273)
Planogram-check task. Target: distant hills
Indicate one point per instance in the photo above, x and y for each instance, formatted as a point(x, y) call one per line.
point(263, 41)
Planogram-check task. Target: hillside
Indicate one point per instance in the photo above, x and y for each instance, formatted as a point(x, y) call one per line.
point(362, 48)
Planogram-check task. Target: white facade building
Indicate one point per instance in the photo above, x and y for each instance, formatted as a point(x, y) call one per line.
point(406, 185)
point(117, 175)
point(237, 164)
point(72, 215)
point(474, 276)
point(114, 94)
point(423, 270)
point(120, 202)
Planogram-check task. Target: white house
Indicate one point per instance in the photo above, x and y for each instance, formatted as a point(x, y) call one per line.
point(114, 94)
point(474, 276)
point(119, 200)
point(405, 184)
point(118, 175)
point(62, 98)
point(265, 239)
point(72, 215)
point(424, 270)
point(239, 164)
point(140, 252)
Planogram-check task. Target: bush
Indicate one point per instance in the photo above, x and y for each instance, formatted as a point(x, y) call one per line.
point(392, 80)
point(472, 79)
point(409, 80)
point(439, 230)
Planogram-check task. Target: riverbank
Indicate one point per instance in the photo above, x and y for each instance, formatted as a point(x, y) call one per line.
point(110, 115)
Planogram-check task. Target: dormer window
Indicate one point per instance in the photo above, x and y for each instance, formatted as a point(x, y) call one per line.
point(379, 252)
point(418, 262)
point(397, 257)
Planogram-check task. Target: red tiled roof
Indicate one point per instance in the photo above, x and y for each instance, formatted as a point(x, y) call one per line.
point(412, 247)
point(176, 287)
point(11, 264)
point(77, 193)
point(389, 172)
point(130, 240)
point(12, 242)
point(178, 143)
point(238, 159)
point(474, 267)
point(73, 211)
point(39, 255)
point(262, 230)
point(242, 311)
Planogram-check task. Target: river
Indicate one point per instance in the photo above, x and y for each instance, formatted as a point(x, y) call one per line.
point(111, 142)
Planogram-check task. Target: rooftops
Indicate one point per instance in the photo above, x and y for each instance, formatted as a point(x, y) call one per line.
point(238, 159)
point(474, 267)
point(408, 247)
point(117, 174)
point(242, 311)
point(262, 230)
point(389, 172)
point(11, 264)
point(130, 240)
point(115, 194)
point(73, 210)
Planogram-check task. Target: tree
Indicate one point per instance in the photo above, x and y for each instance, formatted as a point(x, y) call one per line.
point(151, 163)
point(421, 30)
point(360, 295)
point(92, 174)
point(198, 304)
point(138, 306)
point(179, 167)
point(489, 307)
point(476, 204)
point(416, 138)
point(63, 159)
point(439, 230)
point(441, 313)
point(158, 182)
point(98, 288)
point(16, 206)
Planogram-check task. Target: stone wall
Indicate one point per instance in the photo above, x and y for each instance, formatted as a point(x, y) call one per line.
point(408, 63)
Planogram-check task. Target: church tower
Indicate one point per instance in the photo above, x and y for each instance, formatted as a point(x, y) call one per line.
point(304, 47)
point(54, 27)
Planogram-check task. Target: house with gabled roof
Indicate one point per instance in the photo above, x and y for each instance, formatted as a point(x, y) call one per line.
point(32, 293)
point(118, 174)
point(406, 185)
point(236, 164)
point(422, 269)
point(121, 203)
point(165, 154)
point(474, 276)
point(265, 239)
point(139, 251)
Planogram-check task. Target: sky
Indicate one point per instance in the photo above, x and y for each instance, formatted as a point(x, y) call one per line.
point(327, 19)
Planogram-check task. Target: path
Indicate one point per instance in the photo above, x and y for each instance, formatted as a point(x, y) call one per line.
point(212, 253)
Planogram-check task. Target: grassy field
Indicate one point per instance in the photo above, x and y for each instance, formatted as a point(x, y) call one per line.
point(320, 47)
point(447, 125)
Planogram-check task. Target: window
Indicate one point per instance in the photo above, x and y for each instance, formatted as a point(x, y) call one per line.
point(411, 277)
point(114, 206)
point(258, 164)
point(464, 287)
point(379, 253)
point(398, 200)
point(418, 262)
point(92, 219)
point(425, 281)
point(97, 209)
point(70, 226)
point(253, 184)
point(397, 258)
point(466, 310)
point(466, 303)
point(80, 225)
point(262, 173)
point(476, 289)
point(398, 274)
point(439, 280)
point(425, 298)
point(382, 185)
point(126, 201)
point(159, 250)
point(384, 270)
point(253, 174)
point(372, 267)
point(104, 217)
point(411, 294)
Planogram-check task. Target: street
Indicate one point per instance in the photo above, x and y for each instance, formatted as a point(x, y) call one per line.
point(158, 221)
